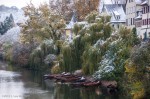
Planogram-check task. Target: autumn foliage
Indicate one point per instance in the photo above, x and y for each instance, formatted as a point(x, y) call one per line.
point(84, 7)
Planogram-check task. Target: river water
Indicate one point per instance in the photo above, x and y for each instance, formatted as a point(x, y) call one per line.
point(18, 83)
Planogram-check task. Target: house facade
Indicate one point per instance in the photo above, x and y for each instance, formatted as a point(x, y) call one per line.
point(138, 16)
point(116, 9)
point(130, 13)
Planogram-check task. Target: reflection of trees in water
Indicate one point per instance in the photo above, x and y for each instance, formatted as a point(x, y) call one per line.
point(37, 77)
point(91, 93)
point(33, 76)
point(67, 92)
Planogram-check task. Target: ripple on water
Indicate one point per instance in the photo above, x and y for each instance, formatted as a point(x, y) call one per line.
point(4, 73)
point(8, 76)
point(12, 86)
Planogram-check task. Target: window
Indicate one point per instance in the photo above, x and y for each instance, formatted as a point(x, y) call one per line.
point(130, 1)
point(113, 25)
point(118, 17)
point(127, 22)
point(145, 9)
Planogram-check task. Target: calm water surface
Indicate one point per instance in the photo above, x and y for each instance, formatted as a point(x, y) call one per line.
point(23, 84)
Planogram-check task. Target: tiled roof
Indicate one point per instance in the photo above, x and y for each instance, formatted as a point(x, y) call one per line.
point(72, 22)
point(108, 1)
point(114, 11)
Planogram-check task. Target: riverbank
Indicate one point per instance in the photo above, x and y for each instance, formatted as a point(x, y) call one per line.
point(31, 85)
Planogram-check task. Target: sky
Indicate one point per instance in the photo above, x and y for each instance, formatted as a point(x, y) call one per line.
point(21, 3)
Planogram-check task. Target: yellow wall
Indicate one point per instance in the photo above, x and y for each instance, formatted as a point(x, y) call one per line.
point(68, 32)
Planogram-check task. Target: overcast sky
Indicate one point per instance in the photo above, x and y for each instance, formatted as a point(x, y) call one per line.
point(20, 3)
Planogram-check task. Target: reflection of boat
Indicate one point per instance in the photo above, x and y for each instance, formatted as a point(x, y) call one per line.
point(90, 84)
point(48, 76)
point(79, 84)
point(86, 84)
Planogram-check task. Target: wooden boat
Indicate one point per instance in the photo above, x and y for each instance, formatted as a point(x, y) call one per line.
point(65, 77)
point(82, 79)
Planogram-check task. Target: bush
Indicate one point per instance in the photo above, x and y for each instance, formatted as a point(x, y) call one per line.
point(55, 70)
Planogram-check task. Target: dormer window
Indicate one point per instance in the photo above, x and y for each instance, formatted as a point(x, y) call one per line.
point(116, 2)
point(118, 17)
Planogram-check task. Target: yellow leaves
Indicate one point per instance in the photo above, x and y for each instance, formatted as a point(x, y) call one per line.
point(137, 90)
point(136, 86)
point(55, 69)
point(8, 55)
point(129, 67)
point(83, 7)
point(139, 94)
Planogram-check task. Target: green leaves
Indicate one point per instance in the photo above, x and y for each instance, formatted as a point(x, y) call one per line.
point(7, 24)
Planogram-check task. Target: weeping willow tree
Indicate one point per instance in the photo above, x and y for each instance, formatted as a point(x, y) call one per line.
point(39, 54)
point(81, 53)
point(71, 55)
point(91, 57)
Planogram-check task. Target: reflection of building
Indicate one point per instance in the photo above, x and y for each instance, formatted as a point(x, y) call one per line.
point(137, 15)
point(116, 9)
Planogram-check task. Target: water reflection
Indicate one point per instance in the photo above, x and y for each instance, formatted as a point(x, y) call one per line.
point(18, 83)
point(10, 86)
point(67, 92)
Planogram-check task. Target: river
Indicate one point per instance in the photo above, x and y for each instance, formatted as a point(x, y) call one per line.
point(17, 83)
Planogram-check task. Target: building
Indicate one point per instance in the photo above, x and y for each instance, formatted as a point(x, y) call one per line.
point(69, 27)
point(116, 9)
point(138, 16)
point(145, 27)
point(69, 35)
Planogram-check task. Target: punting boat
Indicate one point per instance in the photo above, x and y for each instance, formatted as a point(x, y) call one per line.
point(64, 77)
